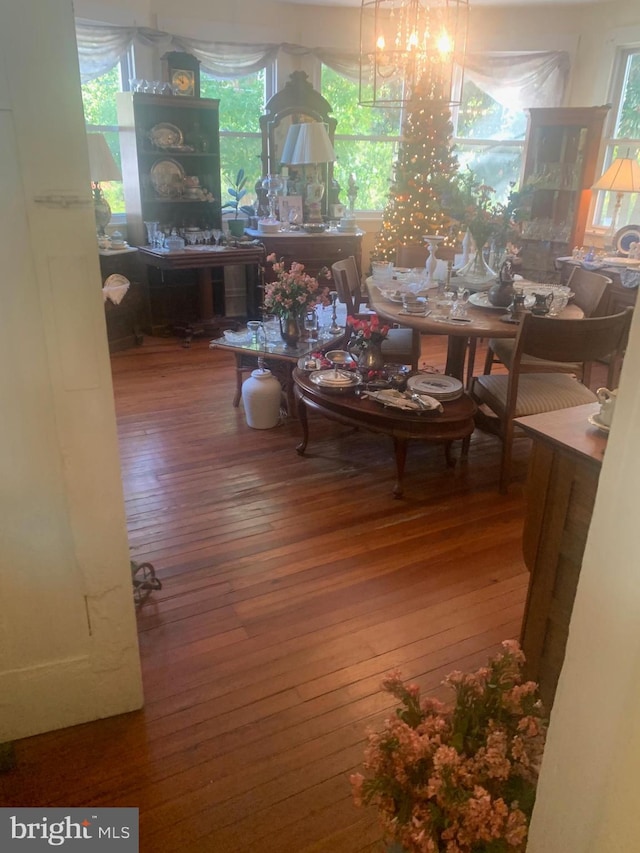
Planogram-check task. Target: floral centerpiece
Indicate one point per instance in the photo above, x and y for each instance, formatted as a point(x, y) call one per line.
point(366, 341)
point(292, 294)
point(460, 778)
point(294, 291)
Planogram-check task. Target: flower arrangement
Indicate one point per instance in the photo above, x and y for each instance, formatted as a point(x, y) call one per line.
point(459, 778)
point(367, 332)
point(472, 203)
point(295, 291)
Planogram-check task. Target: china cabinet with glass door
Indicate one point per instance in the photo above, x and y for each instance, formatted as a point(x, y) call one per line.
point(560, 161)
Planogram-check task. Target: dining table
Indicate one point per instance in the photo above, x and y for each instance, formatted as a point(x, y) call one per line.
point(463, 334)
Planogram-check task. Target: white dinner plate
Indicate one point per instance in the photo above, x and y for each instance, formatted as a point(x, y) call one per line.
point(436, 385)
point(481, 300)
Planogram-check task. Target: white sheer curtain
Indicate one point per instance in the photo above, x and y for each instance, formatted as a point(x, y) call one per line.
point(516, 80)
point(521, 80)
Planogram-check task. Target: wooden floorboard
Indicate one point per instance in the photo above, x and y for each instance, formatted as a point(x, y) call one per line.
point(291, 586)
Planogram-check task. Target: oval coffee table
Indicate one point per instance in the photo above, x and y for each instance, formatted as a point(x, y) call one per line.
point(455, 422)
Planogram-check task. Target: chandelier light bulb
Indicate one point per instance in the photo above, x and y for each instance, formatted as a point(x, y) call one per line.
point(380, 43)
point(444, 43)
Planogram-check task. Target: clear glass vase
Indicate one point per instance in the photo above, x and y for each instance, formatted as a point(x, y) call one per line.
point(476, 272)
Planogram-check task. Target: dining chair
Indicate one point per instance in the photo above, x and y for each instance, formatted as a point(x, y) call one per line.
point(591, 294)
point(402, 345)
point(411, 256)
point(520, 393)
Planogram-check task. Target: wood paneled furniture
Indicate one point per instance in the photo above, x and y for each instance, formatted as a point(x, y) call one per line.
point(313, 250)
point(131, 318)
point(563, 477)
point(153, 169)
point(560, 159)
point(455, 422)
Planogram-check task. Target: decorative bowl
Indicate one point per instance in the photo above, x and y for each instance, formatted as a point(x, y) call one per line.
point(313, 227)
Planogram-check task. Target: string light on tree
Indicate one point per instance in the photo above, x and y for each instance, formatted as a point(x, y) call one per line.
point(426, 165)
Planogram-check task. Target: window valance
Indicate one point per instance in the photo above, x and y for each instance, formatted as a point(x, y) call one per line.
point(516, 80)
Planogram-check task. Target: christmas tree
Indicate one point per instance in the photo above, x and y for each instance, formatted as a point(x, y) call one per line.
point(425, 167)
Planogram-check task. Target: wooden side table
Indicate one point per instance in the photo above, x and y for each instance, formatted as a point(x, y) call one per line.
point(128, 321)
point(564, 469)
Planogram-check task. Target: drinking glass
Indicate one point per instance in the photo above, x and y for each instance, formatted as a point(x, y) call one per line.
point(460, 305)
point(254, 327)
point(311, 325)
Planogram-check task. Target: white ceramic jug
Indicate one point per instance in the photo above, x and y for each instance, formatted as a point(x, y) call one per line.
point(261, 394)
point(607, 400)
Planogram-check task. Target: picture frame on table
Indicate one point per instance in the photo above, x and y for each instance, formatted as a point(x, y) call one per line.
point(291, 209)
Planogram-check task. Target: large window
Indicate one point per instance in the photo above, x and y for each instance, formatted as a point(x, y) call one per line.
point(623, 141)
point(242, 103)
point(365, 143)
point(489, 139)
point(100, 115)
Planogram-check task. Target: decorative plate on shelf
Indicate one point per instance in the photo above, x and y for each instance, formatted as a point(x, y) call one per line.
point(167, 178)
point(625, 237)
point(165, 135)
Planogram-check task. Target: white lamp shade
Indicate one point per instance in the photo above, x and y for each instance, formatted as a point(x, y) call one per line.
point(312, 145)
point(102, 166)
point(290, 144)
point(622, 176)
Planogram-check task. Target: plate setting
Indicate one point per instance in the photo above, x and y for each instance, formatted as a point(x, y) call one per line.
point(436, 385)
point(165, 135)
point(167, 178)
point(335, 380)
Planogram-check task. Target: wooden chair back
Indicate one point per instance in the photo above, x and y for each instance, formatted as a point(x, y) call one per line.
point(591, 291)
point(411, 256)
point(555, 339)
point(346, 279)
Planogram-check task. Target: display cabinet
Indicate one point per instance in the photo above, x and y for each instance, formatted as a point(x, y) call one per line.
point(170, 149)
point(560, 161)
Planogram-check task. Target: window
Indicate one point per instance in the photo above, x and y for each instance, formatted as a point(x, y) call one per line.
point(242, 103)
point(365, 142)
point(489, 139)
point(100, 115)
point(624, 140)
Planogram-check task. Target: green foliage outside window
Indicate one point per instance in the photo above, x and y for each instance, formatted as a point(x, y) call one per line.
point(371, 154)
point(241, 105)
point(99, 103)
point(629, 119)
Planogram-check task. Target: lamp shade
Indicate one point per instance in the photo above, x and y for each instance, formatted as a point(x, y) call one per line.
point(290, 144)
point(312, 145)
point(102, 166)
point(622, 176)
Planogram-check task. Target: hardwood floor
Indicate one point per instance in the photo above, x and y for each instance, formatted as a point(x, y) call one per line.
point(291, 586)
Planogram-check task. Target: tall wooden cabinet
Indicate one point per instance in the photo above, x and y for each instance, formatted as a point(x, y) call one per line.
point(170, 150)
point(560, 160)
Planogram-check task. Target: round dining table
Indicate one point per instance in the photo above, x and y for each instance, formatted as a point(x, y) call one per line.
point(462, 334)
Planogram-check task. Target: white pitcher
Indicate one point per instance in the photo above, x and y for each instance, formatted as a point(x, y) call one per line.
point(607, 400)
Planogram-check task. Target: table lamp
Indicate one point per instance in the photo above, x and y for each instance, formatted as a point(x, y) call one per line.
point(102, 167)
point(622, 176)
point(312, 148)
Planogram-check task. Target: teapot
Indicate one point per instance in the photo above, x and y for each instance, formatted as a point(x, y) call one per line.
point(607, 400)
point(542, 303)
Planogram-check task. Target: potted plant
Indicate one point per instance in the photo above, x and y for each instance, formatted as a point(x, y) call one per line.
point(238, 192)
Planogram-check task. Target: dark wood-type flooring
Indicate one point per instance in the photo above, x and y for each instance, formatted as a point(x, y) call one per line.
point(291, 586)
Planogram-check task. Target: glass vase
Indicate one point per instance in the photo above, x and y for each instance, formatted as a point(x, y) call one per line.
point(290, 330)
point(476, 272)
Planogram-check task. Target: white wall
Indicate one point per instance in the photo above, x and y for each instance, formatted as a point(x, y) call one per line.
point(68, 642)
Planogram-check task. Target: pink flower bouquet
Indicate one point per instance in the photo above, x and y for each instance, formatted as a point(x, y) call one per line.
point(459, 778)
point(294, 291)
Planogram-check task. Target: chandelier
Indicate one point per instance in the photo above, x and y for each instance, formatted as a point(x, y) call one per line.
point(411, 45)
